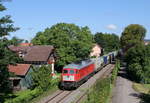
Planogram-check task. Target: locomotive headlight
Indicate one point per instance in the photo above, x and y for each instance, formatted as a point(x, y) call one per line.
point(68, 78)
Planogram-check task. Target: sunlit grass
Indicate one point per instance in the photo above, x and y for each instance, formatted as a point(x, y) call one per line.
point(142, 88)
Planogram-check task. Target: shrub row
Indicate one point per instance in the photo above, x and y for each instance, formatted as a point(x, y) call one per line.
point(100, 92)
point(115, 72)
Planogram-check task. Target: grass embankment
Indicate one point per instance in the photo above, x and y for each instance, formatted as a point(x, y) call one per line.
point(144, 89)
point(31, 96)
point(102, 90)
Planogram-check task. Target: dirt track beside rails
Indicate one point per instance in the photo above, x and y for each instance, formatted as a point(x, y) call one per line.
point(123, 91)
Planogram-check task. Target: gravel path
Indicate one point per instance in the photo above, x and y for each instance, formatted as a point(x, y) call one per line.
point(123, 91)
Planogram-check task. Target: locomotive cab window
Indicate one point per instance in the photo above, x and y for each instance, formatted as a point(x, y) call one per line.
point(72, 72)
point(65, 71)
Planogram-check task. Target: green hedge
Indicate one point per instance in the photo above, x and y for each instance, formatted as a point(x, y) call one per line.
point(115, 72)
point(100, 92)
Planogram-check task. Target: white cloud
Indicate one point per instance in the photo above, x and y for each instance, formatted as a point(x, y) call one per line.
point(111, 27)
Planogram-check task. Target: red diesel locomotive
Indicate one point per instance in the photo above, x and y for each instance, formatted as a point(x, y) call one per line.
point(75, 74)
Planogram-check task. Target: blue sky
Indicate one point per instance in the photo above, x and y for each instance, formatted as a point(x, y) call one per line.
point(110, 16)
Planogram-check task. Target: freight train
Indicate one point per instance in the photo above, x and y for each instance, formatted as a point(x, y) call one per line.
point(75, 74)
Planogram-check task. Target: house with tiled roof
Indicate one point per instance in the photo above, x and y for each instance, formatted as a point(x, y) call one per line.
point(31, 55)
point(37, 55)
point(96, 50)
point(41, 54)
point(21, 78)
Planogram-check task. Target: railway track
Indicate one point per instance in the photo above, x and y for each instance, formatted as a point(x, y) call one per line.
point(77, 95)
point(58, 96)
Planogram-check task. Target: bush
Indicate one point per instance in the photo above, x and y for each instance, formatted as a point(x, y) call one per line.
point(41, 78)
point(145, 98)
point(138, 63)
point(24, 96)
point(101, 90)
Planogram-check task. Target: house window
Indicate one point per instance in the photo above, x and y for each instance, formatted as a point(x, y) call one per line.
point(16, 82)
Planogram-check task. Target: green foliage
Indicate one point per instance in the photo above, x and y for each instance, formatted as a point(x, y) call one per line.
point(144, 90)
point(145, 98)
point(141, 88)
point(115, 72)
point(15, 41)
point(72, 43)
point(6, 56)
point(109, 42)
point(2, 8)
point(6, 26)
point(24, 96)
point(101, 90)
point(41, 77)
point(133, 34)
point(138, 63)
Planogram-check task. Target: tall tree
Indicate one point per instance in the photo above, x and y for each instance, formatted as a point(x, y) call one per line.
point(72, 43)
point(6, 56)
point(133, 34)
point(15, 41)
point(107, 41)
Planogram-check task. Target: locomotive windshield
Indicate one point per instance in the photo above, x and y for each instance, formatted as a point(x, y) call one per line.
point(65, 71)
point(72, 72)
point(68, 71)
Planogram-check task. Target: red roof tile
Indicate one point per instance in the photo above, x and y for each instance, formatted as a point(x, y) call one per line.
point(25, 44)
point(19, 69)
